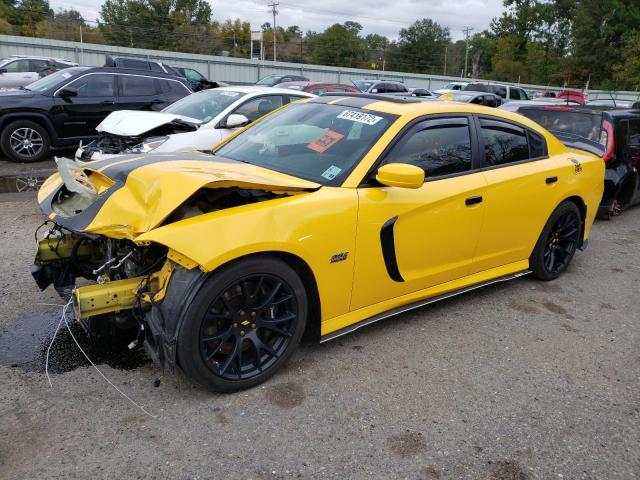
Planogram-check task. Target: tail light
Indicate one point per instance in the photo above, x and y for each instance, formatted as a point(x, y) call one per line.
point(607, 139)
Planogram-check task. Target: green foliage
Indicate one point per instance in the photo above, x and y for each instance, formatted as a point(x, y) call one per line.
point(337, 45)
point(421, 47)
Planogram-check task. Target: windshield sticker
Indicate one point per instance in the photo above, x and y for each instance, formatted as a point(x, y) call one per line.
point(359, 117)
point(331, 172)
point(325, 141)
point(229, 94)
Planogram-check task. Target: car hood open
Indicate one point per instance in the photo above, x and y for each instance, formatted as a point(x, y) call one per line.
point(132, 196)
point(132, 123)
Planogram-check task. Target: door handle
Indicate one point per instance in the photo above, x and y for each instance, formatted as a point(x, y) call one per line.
point(473, 200)
point(108, 102)
point(550, 180)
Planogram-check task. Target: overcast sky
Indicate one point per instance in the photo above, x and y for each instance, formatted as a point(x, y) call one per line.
point(385, 17)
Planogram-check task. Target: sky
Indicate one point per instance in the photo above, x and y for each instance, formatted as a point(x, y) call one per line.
point(385, 17)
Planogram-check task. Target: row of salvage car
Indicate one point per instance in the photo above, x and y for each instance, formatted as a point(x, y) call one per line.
point(323, 216)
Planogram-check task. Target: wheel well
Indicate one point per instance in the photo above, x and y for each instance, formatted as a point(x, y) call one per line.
point(578, 202)
point(39, 119)
point(305, 273)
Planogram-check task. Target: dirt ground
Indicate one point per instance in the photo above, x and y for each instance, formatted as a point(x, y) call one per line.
point(517, 381)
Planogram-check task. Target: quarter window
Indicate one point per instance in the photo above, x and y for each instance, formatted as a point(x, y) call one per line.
point(94, 86)
point(503, 142)
point(439, 147)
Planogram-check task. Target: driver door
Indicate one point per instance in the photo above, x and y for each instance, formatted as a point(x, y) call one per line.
point(412, 239)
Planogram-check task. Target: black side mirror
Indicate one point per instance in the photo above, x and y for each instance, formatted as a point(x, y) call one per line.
point(68, 92)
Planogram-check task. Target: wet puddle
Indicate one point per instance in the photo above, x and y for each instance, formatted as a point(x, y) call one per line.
point(24, 345)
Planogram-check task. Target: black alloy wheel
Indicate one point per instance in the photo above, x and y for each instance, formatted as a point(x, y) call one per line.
point(557, 243)
point(248, 327)
point(243, 324)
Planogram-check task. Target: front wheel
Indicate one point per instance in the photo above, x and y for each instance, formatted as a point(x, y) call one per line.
point(557, 243)
point(243, 325)
point(25, 141)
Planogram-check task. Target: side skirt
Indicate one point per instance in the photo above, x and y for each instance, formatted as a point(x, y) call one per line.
point(418, 304)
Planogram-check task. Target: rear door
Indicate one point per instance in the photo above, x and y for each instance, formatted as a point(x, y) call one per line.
point(140, 92)
point(79, 116)
point(521, 183)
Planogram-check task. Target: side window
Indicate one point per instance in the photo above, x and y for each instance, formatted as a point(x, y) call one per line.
point(18, 66)
point(478, 100)
point(517, 94)
point(503, 142)
point(173, 87)
point(537, 145)
point(37, 65)
point(193, 75)
point(101, 85)
point(634, 131)
point(439, 147)
point(319, 91)
point(155, 67)
point(500, 90)
point(490, 101)
point(401, 88)
point(258, 107)
point(136, 86)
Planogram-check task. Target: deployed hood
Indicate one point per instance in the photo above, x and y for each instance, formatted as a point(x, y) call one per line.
point(133, 123)
point(130, 196)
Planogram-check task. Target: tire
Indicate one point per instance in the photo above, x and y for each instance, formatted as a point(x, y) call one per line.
point(229, 338)
point(25, 141)
point(557, 243)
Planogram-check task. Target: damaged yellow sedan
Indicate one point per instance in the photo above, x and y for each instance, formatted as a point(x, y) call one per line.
point(325, 216)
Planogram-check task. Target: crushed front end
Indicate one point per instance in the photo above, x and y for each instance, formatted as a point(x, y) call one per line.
point(113, 283)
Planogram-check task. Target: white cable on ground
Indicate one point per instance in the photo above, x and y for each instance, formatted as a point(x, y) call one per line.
point(63, 318)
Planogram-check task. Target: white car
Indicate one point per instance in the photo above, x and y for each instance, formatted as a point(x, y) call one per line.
point(452, 87)
point(196, 122)
point(20, 70)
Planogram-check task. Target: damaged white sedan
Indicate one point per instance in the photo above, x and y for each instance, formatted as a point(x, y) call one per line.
point(196, 122)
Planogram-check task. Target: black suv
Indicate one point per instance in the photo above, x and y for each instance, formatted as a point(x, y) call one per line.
point(64, 108)
point(196, 80)
point(616, 131)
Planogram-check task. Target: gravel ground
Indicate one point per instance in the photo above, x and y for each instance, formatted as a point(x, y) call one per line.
point(522, 380)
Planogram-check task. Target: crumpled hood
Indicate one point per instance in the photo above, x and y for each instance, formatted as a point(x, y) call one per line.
point(136, 194)
point(133, 123)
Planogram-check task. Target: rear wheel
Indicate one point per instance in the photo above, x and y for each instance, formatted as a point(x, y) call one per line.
point(243, 325)
point(557, 243)
point(25, 141)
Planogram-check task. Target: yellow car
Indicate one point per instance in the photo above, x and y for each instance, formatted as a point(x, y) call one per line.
point(324, 216)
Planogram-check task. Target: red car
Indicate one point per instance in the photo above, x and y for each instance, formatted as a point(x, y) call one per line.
point(571, 95)
point(318, 88)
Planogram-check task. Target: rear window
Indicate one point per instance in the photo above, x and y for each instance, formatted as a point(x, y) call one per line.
point(567, 121)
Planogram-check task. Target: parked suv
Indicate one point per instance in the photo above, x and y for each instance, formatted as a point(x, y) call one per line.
point(18, 71)
point(196, 80)
point(139, 64)
point(380, 86)
point(618, 131)
point(64, 108)
point(507, 92)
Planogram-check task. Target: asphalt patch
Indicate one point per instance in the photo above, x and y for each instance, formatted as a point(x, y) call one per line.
point(285, 395)
point(24, 345)
point(407, 444)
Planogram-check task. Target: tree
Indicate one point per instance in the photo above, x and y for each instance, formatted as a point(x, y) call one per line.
point(339, 45)
point(28, 13)
point(627, 74)
point(421, 47)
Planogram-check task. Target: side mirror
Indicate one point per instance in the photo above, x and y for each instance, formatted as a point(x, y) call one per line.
point(234, 121)
point(400, 175)
point(68, 92)
point(3, 70)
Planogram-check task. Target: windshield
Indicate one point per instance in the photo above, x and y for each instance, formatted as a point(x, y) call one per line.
point(363, 86)
point(269, 81)
point(453, 86)
point(462, 97)
point(314, 141)
point(562, 120)
point(55, 79)
point(205, 105)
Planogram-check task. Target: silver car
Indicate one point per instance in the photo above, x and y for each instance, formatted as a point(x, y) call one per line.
point(18, 70)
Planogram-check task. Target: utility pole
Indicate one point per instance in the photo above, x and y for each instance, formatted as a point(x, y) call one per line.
point(445, 60)
point(466, 31)
point(275, 12)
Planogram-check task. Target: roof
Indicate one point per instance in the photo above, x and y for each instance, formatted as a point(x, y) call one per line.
point(37, 57)
point(137, 71)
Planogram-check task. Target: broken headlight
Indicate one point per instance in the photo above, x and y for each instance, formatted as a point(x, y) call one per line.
point(148, 144)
